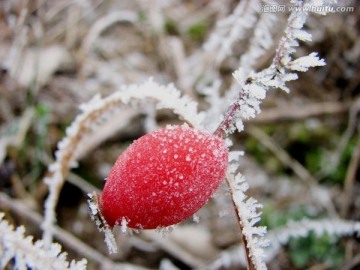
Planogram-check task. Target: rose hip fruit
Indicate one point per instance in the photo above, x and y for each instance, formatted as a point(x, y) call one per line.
point(163, 178)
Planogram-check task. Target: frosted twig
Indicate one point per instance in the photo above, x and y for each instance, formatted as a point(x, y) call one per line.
point(247, 212)
point(261, 41)
point(65, 237)
point(253, 86)
point(282, 235)
point(26, 253)
point(101, 223)
point(232, 28)
point(302, 228)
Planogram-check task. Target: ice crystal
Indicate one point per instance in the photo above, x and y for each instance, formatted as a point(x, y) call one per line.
point(101, 223)
point(303, 63)
point(254, 85)
point(249, 216)
point(29, 254)
point(302, 228)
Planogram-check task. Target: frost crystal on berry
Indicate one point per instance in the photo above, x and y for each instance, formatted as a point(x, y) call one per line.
point(163, 178)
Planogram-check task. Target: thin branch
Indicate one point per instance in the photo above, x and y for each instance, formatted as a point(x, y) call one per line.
point(247, 210)
point(280, 236)
point(250, 264)
point(65, 237)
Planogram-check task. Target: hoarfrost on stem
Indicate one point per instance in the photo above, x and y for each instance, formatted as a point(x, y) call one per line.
point(254, 85)
point(29, 254)
point(249, 216)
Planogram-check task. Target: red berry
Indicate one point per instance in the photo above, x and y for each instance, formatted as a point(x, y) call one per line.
point(163, 178)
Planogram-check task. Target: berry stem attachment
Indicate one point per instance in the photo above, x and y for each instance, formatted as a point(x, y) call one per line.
point(230, 116)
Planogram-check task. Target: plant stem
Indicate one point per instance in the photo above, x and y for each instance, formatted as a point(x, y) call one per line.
point(222, 130)
point(229, 117)
point(250, 264)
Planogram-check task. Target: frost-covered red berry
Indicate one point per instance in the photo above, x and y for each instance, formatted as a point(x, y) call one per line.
point(163, 178)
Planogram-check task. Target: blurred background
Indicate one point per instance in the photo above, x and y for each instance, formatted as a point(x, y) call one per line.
point(303, 149)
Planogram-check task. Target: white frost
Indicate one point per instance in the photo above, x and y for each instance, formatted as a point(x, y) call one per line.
point(305, 62)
